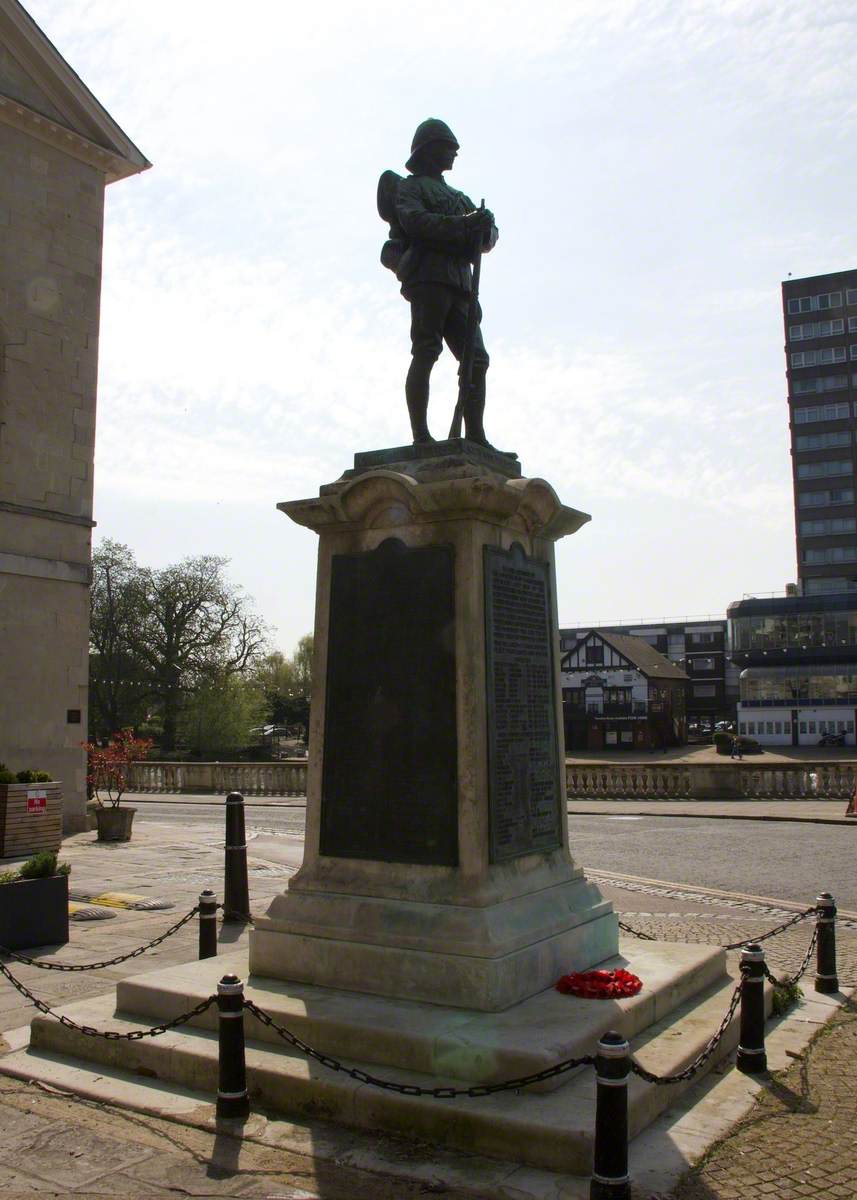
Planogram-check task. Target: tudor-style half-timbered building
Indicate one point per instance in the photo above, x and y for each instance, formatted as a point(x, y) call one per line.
point(618, 692)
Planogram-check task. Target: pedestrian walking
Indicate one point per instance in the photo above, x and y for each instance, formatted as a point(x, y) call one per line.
point(736, 748)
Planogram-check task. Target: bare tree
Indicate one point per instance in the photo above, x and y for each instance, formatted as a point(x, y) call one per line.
point(118, 689)
point(194, 626)
point(160, 635)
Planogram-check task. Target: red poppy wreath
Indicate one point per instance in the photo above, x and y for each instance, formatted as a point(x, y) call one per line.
point(600, 985)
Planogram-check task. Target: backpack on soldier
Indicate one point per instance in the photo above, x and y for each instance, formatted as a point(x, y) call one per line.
point(397, 246)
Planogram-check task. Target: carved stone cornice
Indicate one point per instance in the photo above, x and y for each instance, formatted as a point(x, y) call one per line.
point(84, 128)
point(384, 498)
point(19, 116)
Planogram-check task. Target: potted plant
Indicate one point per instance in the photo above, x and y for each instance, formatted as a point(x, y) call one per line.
point(30, 812)
point(107, 777)
point(34, 903)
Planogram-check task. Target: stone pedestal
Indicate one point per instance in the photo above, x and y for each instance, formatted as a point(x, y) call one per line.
point(436, 863)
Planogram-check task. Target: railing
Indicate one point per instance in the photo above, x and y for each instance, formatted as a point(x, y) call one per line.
point(800, 781)
point(633, 780)
point(731, 780)
point(286, 778)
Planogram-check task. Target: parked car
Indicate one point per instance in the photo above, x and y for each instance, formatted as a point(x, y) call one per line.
point(832, 739)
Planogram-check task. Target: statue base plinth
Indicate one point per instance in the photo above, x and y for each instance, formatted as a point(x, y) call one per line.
point(436, 863)
point(481, 957)
point(452, 452)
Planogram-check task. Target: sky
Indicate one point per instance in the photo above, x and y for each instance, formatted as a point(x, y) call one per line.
point(656, 170)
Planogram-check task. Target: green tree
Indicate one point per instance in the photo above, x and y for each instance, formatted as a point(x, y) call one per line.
point(286, 684)
point(168, 634)
point(217, 717)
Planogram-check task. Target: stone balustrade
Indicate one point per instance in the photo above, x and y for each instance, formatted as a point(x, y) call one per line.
point(711, 781)
point(584, 781)
point(631, 781)
point(284, 778)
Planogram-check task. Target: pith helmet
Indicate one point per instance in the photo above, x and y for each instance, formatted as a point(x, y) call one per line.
point(431, 130)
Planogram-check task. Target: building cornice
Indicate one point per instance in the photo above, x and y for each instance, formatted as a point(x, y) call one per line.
point(91, 134)
point(46, 514)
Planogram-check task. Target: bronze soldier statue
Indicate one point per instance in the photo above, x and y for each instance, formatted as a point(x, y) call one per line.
point(436, 233)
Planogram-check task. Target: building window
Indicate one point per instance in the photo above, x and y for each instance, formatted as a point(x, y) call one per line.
point(825, 499)
point(770, 726)
point(823, 441)
point(595, 654)
point(703, 639)
point(802, 727)
point(812, 726)
point(829, 526)
point(822, 412)
point(830, 554)
point(818, 587)
point(787, 727)
point(703, 691)
point(852, 324)
point(820, 383)
point(701, 664)
point(818, 329)
point(817, 470)
point(805, 304)
point(849, 726)
point(819, 358)
point(742, 728)
point(751, 726)
point(851, 295)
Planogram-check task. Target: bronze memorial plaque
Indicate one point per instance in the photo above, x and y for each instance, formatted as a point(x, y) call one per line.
point(523, 759)
point(390, 782)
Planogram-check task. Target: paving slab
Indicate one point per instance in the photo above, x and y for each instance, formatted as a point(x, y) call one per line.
point(787, 1144)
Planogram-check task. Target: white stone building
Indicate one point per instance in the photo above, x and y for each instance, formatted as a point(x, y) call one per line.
point(58, 150)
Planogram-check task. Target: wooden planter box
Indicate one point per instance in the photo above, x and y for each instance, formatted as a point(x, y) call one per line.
point(30, 818)
point(34, 912)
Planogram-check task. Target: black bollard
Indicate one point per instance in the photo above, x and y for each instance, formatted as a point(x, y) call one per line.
point(751, 1058)
point(232, 1099)
point(826, 979)
point(236, 901)
point(207, 924)
point(610, 1180)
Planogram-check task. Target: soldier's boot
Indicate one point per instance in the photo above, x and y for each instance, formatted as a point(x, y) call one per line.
point(417, 395)
point(474, 407)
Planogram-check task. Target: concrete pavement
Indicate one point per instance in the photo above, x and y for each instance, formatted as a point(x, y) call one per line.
point(56, 1144)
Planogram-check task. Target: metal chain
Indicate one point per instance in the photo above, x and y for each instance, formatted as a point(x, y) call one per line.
point(702, 1058)
point(411, 1089)
point(110, 1035)
point(108, 962)
point(232, 912)
point(735, 945)
point(795, 920)
point(792, 980)
point(646, 937)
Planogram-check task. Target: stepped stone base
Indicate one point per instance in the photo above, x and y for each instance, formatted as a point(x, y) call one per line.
point(686, 992)
point(473, 956)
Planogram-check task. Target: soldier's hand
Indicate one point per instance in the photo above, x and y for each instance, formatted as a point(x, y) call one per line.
point(480, 218)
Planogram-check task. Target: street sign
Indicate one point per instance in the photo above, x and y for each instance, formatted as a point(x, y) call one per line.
point(37, 802)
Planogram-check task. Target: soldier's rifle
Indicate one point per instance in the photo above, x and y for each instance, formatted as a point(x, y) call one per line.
point(465, 369)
